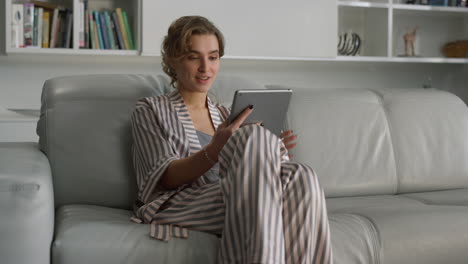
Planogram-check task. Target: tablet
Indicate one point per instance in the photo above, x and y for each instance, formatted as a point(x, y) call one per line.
point(270, 107)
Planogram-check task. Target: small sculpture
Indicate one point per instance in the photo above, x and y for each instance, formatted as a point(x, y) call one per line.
point(410, 38)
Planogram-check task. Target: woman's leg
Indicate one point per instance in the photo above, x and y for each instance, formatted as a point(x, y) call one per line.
point(256, 188)
point(306, 229)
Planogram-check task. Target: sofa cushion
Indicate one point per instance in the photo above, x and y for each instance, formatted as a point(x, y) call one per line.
point(447, 197)
point(343, 134)
point(429, 131)
point(94, 234)
point(421, 233)
point(84, 129)
point(350, 204)
point(354, 239)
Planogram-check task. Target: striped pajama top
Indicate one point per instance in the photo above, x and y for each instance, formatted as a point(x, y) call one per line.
point(163, 131)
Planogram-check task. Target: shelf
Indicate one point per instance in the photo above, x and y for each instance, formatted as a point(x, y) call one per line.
point(59, 51)
point(403, 59)
point(363, 4)
point(356, 59)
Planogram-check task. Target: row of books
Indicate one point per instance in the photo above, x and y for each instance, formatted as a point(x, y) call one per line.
point(46, 25)
point(40, 24)
point(461, 3)
point(104, 30)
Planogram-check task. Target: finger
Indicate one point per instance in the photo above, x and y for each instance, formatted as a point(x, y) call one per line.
point(286, 133)
point(223, 124)
point(240, 119)
point(290, 146)
point(289, 139)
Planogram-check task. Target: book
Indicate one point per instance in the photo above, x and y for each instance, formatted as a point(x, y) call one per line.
point(122, 27)
point(86, 35)
point(68, 29)
point(114, 32)
point(110, 30)
point(40, 22)
point(54, 28)
point(28, 24)
point(81, 28)
point(105, 34)
point(98, 29)
point(45, 28)
point(118, 31)
point(59, 41)
point(127, 29)
point(91, 30)
point(17, 35)
point(35, 27)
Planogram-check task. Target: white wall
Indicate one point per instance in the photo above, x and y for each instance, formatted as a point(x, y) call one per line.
point(22, 76)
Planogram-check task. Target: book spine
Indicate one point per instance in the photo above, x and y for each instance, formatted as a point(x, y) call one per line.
point(81, 29)
point(54, 28)
point(96, 35)
point(86, 34)
point(35, 27)
point(127, 29)
point(98, 30)
point(68, 29)
point(17, 35)
point(105, 35)
point(118, 31)
point(40, 22)
point(45, 29)
point(28, 21)
point(91, 30)
point(122, 27)
point(61, 29)
point(110, 31)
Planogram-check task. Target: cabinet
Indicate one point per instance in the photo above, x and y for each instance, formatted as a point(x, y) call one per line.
point(382, 24)
point(132, 8)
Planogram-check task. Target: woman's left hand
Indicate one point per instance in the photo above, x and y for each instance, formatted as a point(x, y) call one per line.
point(289, 138)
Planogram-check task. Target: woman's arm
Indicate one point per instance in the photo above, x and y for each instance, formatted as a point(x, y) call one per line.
point(189, 169)
point(186, 170)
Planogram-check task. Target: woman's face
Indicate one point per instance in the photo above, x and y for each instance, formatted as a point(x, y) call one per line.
point(197, 70)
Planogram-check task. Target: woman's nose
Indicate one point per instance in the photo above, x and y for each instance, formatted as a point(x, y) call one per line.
point(203, 65)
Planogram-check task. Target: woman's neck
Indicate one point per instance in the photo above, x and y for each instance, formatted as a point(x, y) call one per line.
point(194, 100)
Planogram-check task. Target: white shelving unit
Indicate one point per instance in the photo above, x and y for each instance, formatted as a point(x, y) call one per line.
point(382, 24)
point(131, 7)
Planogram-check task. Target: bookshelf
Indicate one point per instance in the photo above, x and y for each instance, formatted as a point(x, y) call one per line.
point(131, 9)
point(382, 24)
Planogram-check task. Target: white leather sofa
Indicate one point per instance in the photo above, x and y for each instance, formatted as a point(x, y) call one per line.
point(393, 163)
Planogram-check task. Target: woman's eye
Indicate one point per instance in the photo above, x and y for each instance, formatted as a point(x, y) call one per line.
point(192, 58)
point(214, 58)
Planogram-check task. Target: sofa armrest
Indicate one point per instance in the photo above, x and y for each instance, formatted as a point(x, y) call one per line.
point(26, 204)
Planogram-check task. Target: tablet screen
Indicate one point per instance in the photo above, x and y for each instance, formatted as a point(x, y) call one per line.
point(270, 107)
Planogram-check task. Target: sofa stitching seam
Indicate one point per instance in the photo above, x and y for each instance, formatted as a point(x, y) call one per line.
point(390, 134)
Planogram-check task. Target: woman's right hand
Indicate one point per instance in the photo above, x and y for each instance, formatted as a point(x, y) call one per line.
point(224, 132)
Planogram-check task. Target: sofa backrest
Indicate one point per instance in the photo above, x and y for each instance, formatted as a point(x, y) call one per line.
point(84, 129)
point(389, 141)
point(359, 141)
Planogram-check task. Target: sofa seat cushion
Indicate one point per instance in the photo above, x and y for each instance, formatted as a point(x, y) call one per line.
point(350, 204)
point(354, 239)
point(447, 197)
point(94, 234)
point(419, 233)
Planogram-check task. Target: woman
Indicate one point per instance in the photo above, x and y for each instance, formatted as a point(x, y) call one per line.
point(195, 171)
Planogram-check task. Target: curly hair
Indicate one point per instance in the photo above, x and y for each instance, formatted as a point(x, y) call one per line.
point(177, 42)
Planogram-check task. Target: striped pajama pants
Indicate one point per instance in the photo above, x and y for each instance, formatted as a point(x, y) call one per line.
point(266, 210)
